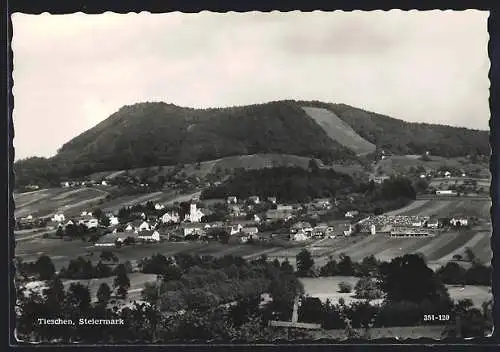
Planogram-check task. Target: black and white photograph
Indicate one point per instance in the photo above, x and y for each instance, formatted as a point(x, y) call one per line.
point(247, 177)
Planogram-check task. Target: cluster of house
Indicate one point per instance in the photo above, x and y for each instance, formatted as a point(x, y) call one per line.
point(303, 231)
point(68, 184)
point(401, 225)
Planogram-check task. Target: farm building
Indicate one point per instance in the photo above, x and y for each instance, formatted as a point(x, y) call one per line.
point(89, 223)
point(447, 192)
point(150, 236)
point(192, 229)
point(234, 229)
point(112, 239)
point(274, 214)
point(300, 236)
point(409, 232)
point(159, 206)
point(113, 220)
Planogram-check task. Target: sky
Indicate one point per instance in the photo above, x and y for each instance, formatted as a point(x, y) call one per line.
point(72, 71)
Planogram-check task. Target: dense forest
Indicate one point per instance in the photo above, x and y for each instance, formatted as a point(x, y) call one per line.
point(149, 134)
point(291, 184)
point(401, 137)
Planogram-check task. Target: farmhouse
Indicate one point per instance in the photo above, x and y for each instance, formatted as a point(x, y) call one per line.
point(149, 236)
point(250, 231)
point(300, 236)
point(113, 220)
point(112, 239)
point(170, 217)
point(89, 223)
point(58, 218)
point(323, 203)
point(159, 206)
point(192, 229)
point(459, 221)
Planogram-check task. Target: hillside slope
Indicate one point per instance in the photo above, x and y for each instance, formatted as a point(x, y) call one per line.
point(339, 130)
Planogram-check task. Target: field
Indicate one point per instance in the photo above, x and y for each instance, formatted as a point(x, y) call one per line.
point(71, 202)
point(402, 163)
point(339, 131)
point(327, 288)
point(50, 201)
point(249, 162)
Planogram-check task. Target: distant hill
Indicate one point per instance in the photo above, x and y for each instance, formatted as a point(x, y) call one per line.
point(150, 134)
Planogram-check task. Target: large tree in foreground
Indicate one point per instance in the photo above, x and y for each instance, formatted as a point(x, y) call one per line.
point(408, 278)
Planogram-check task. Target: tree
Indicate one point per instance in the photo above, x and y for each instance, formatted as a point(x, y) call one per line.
point(367, 288)
point(305, 263)
point(103, 293)
point(45, 268)
point(469, 254)
point(408, 278)
point(107, 256)
point(104, 221)
point(452, 274)
point(345, 266)
point(79, 297)
point(60, 232)
point(345, 287)
point(122, 281)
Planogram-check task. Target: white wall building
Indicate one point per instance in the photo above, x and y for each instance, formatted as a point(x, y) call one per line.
point(194, 215)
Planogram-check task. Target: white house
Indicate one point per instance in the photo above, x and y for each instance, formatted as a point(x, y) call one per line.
point(283, 208)
point(91, 223)
point(171, 216)
point(300, 236)
point(194, 215)
point(150, 236)
point(250, 231)
point(58, 218)
point(447, 192)
point(459, 222)
point(349, 231)
point(256, 218)
point(113, 220)
point(193, 228)
point(65, 184)
point(234, 229)
point(86, 213)
point(104, 183)
point(232, 200)
point(447, 174)
point(159, 206)
point(70, 222)
point(373, 230)
point(144, 226)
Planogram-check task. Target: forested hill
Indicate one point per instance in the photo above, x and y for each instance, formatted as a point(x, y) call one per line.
point(148, 134)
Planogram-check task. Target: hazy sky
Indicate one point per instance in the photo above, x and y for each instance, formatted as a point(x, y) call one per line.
point(73, 71)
